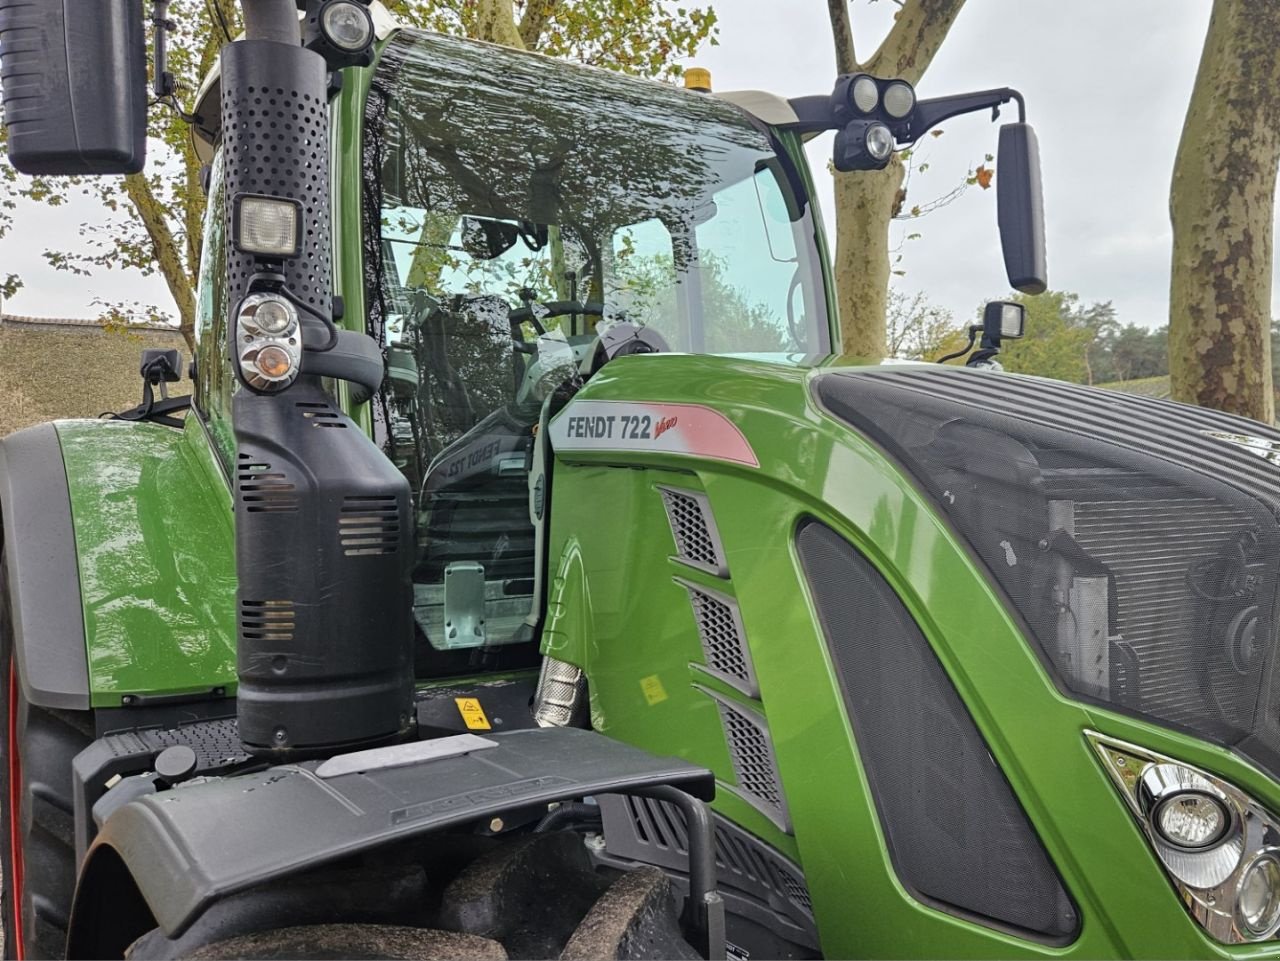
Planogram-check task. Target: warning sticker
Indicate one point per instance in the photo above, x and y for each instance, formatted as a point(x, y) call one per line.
point(606, 425)
point(653, 690)
point(472, 714)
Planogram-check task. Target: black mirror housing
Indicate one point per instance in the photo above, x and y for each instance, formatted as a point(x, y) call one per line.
point(75, 85)
point(1020, 206)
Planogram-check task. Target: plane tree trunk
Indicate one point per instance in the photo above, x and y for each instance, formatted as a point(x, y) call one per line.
point(1222, 203)
point(867, 202)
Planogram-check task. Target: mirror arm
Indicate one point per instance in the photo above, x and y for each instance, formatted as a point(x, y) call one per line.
point(814, 114)
point(930, 113)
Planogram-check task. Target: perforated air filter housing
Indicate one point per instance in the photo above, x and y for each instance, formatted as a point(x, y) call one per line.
point(275, 143)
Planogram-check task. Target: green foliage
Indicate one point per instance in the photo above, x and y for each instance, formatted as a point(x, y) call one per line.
point(916, 329)
point(1060, 336)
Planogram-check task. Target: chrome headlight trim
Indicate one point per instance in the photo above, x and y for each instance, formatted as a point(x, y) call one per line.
point(1208, 878)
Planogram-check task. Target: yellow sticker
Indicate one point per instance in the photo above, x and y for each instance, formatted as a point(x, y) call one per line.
point(472, 714)
point(654, 692)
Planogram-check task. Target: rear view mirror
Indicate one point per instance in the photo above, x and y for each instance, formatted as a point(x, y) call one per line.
point(75, 85)
point(1020, 207)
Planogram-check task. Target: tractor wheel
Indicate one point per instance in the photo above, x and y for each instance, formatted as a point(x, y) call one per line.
point(37, 842)
point(323, 941)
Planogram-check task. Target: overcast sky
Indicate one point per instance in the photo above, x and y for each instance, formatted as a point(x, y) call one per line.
point(1106, 83)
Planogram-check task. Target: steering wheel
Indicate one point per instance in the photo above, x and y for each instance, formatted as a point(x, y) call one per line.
point(538, 312)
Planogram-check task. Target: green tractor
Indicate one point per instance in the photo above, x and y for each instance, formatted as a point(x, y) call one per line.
point(527, 579)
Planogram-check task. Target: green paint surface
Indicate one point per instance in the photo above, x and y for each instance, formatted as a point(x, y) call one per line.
point(156, 552)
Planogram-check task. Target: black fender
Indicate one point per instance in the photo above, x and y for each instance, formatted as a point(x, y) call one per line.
point(38, 535)
point(164, 860)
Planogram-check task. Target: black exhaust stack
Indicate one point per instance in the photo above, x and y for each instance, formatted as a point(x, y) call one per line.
point(323, 522)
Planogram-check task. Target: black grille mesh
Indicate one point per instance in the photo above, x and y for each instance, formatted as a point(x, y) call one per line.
point(1137, 538)
point(751, 751)
point(955, 831)
point(697, 541)
point(723, 639)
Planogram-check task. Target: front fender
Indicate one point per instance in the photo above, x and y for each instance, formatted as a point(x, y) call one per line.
point(41, 570)
point(155, 556)
point(164, 859)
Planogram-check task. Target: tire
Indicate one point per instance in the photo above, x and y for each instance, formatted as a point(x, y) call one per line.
point(37, 840)
point(368, 941)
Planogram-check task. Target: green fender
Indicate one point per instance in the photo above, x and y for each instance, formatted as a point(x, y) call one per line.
point(155, 549)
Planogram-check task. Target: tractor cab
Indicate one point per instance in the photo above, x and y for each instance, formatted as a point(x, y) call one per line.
point(506, 239)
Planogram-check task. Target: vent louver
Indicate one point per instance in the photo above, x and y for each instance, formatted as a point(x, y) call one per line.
point(653, 831)
point(693, 527)
point(369, 525)
point(724, 641)
point(267, 620)
point(754, 763)
point(262, 488)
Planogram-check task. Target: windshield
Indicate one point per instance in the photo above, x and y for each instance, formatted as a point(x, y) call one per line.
point(515, 208)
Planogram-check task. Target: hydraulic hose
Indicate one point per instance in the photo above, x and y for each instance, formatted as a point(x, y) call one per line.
point(272, 20)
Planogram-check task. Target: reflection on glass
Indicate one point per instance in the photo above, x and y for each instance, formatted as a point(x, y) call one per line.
point(519, 203)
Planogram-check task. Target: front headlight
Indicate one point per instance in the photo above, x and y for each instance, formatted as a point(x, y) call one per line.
point(1220, 847)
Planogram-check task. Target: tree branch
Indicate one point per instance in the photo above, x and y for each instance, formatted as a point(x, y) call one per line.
point(534, 22)
point(165, 247)
point(842, 34)
point(918, 31)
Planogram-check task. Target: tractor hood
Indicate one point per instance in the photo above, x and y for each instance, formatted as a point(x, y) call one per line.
point(1136, 539)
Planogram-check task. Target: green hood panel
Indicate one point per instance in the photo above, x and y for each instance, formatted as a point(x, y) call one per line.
point(155, 546)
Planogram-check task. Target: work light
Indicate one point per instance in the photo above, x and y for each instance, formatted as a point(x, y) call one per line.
point(878, 141)
point(341, 31)
point(346, 25)
point(865, 94)
point(899, 99)
point(267, 227)
point(268, 345)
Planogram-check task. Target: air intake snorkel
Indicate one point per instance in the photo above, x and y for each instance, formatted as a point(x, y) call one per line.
point(323, 523)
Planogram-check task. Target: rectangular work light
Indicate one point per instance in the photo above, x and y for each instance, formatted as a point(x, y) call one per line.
point(268, 227)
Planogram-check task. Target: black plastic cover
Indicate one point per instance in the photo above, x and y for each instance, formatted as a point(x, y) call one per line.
point(324, 537)
point(956, 834)
point(42, 572)
point(191, 846)
point(75, 85)
point(1020, 208)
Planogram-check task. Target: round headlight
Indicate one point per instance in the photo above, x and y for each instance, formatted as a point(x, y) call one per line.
point(866, 94)
point(347, 25)
point(273, 363)
point(1190, 820)
point(899, 99)
point(274, 316)
point(879, 141)
point(1258, 897)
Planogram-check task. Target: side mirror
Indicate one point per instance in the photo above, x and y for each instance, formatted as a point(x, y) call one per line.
point(1020, 208)
point(1002, 320)
point(75, 85)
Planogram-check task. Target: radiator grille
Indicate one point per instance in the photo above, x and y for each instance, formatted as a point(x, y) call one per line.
point(1149, 547)
point(694, 530)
